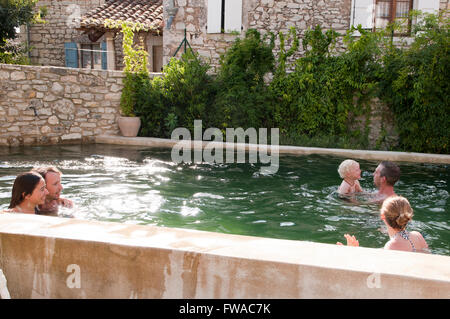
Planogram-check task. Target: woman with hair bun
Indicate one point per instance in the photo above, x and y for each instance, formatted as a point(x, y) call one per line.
point(396, 212)
point(28, 192)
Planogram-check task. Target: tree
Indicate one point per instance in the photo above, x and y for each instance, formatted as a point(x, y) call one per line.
point(14, 13)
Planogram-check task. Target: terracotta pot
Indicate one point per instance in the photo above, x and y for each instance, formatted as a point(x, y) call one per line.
point(129, 126)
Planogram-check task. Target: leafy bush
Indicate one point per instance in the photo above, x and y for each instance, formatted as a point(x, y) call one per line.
point(236, 97)
point(185, 93)
point(14, 53)
point(314, 99)
point(317, 98)
point(243, 99)
point(415, 85)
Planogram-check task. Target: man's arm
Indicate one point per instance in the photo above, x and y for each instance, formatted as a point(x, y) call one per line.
point(65, 202)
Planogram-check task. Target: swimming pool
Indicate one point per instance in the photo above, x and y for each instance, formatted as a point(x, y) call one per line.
point(141, 185)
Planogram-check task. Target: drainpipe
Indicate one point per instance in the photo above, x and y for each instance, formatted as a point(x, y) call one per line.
point(171, 11)
point(28, 41)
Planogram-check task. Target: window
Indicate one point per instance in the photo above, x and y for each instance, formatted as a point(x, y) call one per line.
point(91, 56)
point(377, 14)
point(224, 16)
point(86, 55)
point(387, 11)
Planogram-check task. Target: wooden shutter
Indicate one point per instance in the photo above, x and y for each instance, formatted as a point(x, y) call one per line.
point(430, 6)
point(104, 55)
point(233, 15)
point(362, 13)
point(214, 16)
point(71, 51)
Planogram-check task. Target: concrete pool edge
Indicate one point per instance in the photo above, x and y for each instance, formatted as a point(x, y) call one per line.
point(284, 149)
point(40, 255)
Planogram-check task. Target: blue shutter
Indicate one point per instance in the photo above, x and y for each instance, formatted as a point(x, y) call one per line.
point(104, 56)
point(71, 54)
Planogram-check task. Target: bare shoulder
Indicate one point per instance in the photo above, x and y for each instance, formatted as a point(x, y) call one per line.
point(419, 239)
point(397, 245)
point(416, 233)
point(392, 245)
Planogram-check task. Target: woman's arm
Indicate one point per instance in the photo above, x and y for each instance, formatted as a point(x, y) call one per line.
point(351, 241)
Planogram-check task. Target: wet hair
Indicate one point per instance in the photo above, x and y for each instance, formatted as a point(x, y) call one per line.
point(44, 170)
point(397, 211)
point(24, 185)
point(391, 171)
point(345, 167)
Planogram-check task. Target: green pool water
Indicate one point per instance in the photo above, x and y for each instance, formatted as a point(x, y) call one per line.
point(140, 185)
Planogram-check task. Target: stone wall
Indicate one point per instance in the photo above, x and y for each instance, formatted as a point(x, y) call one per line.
point(47, 40)
point(72, 105)
point(263, 15)
point(75, 105)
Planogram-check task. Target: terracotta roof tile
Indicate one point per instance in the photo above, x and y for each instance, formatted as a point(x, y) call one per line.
point(147, 12)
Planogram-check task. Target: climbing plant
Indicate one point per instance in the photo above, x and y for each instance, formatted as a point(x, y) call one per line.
point(135, 60)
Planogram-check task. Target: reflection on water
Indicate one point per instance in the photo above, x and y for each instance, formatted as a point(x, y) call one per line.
point(142, 186)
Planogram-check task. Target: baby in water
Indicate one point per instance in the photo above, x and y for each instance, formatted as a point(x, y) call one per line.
point(350, 173)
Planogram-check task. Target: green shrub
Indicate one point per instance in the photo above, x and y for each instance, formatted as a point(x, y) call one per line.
point(185, 93)
point(317, 98)
point(14, 53)
point(243, 99)
point(415, 85)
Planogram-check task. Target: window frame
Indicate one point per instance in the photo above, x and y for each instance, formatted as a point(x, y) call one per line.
point(91, 55)
point(392, 15)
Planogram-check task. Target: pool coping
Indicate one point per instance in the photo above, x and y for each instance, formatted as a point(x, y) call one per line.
point(282, 149)
point(121, 260)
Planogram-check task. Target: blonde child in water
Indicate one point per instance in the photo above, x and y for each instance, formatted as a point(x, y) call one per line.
point(350, 173)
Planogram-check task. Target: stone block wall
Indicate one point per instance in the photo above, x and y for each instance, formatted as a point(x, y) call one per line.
point(47, 40)
point(72, 105)
point(263, 15)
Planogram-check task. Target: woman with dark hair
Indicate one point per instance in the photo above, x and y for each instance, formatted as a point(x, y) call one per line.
point(28, 192)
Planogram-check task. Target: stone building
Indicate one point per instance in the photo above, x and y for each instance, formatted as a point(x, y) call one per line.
point(210, 25)
point(48, 40)
point(74, 34)
point(149, 13)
